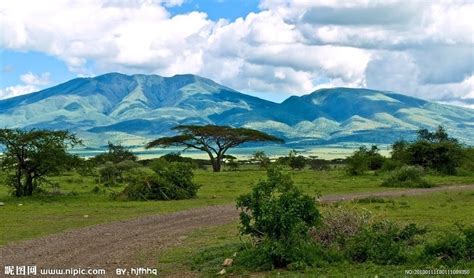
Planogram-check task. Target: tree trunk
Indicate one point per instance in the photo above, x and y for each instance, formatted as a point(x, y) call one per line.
point(18, 185)
point(216, 164)
point(29, 184)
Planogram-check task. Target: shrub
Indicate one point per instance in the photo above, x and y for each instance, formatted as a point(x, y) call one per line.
point(318, 164)
point(361, 239)
point(115, 153)
point(277, 216)
point(339, 225)
point(363, 160)
point(407, 176)
point(382, 243)
point(262, 160)
point(232, 164)
point(176, 157)
point(108, 173)
point(295, 161)
point(168, 181)
point(469, 235)
point(391, 165)
point(467, 164)
point(433, 150)
point(452, 248)
point(111, 173)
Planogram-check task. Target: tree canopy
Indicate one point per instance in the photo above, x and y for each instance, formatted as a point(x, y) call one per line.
point(116, 153)
point(213, 139)
point(434, 150)
point(33, 155)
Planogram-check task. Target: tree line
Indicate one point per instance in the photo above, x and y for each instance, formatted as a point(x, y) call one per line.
point(35, 154)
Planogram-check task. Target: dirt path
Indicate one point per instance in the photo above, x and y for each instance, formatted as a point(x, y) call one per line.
point(116, 245)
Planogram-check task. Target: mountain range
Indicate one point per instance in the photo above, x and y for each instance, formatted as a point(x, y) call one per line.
point(133, 109)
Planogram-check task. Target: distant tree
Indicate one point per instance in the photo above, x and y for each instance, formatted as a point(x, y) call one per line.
point(261, 159)
point(434, 150)
point(375, 159)
point(35, 154)
point(318, 164)
point(231, 162)
point(176, 157)
point(364, 159)
point(212, 139)
point(296, 161)
point(116, 153)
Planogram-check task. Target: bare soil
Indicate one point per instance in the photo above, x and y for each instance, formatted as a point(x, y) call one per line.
point(118, 244)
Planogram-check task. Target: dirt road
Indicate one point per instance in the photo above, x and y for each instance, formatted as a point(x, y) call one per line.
point(116, 245)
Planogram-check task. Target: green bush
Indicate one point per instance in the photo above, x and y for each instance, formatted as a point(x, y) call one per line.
point(176, 157)
point(467, 164)
point(108, 174)
point(318, 164)
point(391, 165)
point(407, 176)
point(164, 181)
point(115, 153)
point(363, 160)
point(295, 161)
point(452, 248)
point(432, 150)
point(277, 216)
point(261, 158)
point(232, 164)
point(382, 243)
point(112, 174)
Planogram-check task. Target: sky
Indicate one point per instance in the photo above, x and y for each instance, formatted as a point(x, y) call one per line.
point(268, 48)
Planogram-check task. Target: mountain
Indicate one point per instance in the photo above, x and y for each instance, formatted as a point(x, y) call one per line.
point(135, 108)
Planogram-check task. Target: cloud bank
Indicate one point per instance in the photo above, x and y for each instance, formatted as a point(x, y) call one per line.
point(30, 83)
point(420, 48)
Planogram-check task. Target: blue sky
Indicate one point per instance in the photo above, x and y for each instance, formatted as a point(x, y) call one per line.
point(269, 48)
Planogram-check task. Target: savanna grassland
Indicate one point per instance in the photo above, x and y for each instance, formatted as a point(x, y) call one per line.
point(363, 215)
point(79, 201)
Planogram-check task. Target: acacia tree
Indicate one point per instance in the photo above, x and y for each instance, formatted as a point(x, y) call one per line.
point(116, 153)
point(33, 155)
point(213, 139)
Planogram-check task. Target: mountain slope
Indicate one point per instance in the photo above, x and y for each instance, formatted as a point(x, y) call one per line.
point(135, 108)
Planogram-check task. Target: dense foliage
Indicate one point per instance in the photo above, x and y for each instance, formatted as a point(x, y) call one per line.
point(407, 176)
point(277, 216)
point(34, 155)
point(452, 248)
point(433, 150)
point(293, 160)
point(261, 159)
point(162, 181)
point(111, 174)
point(116, 153)
point(363, 160)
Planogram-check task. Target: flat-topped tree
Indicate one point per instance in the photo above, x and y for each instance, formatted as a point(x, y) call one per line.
point(213, 139)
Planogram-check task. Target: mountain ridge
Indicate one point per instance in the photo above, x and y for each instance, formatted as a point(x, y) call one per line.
point(138, 107)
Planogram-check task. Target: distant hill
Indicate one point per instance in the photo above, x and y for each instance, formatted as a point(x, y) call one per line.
point(134, 108)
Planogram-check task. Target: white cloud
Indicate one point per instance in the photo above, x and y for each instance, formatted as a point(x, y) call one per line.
point(30, 83)
point(290, 46)
point(37, 80)
point(17, 90)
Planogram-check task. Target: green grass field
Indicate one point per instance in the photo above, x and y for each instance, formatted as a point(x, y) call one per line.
point(204, 250)
point(77, 205)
